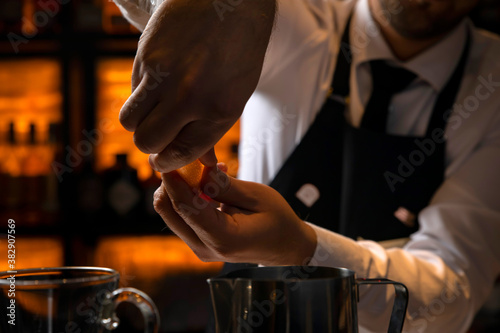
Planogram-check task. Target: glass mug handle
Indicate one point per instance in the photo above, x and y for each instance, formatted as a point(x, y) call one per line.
point(400, 302)
point(136, 297)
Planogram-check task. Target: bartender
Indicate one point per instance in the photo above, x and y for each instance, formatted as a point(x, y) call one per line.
point(376, 119)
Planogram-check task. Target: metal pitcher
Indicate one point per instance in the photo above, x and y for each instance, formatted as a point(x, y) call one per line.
point(294, 299)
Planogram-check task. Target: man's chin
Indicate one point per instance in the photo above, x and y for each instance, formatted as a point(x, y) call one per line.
point(423, 19)
point(424, 30)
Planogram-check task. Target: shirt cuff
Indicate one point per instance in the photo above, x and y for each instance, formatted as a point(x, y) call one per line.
point(335, 250)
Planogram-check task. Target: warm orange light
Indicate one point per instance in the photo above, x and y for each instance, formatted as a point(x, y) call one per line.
point(30, 94)
point(113, 86)
point(28, 27)
point(150, 257)
point(33, 91)
point(33, 252)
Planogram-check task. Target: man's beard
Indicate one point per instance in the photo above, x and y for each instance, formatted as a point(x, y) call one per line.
point(415, 19)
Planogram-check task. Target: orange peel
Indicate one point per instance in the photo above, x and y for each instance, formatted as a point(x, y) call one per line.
point(192, 173)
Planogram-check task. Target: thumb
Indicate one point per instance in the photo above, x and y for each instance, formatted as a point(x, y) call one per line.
point(219, 186)
point(209, 159)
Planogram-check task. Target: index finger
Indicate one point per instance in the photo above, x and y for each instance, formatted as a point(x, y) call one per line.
point(209, 223)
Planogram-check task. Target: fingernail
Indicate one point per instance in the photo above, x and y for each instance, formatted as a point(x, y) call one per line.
point(222, 167)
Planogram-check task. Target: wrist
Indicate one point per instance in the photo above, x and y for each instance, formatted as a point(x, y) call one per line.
point(305, 246)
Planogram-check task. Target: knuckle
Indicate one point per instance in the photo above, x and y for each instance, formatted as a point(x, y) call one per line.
point(159, 200)
point(125, 121)
point(180, 151)
point(227, 113)
point(183, 210)
point(144, 143)
point(158, 163)
point(125, 116)
point(177, 207)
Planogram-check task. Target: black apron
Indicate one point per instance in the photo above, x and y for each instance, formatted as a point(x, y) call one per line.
point(352, 180)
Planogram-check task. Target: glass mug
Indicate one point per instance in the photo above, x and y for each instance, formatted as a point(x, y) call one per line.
point(68, 299)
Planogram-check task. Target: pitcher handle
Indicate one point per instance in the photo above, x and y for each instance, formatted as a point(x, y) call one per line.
point(145, 304)
point(400, 302)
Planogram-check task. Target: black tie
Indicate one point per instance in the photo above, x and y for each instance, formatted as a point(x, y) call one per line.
point(387, 81)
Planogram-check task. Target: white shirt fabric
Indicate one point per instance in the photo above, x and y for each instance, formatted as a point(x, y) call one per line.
point(451, 263)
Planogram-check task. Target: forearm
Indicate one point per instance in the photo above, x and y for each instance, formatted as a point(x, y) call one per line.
point(138, 12)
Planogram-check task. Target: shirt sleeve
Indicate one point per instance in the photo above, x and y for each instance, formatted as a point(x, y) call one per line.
point(138, 12)
point(449, 266)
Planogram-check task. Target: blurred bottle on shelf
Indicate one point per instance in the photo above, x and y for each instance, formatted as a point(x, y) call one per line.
point(123, 195)
point(37, 157)
point(12, 161)
point(30, 100)
point(33, 170)
point(11, 166)
point(30, 189)
point(89, 193)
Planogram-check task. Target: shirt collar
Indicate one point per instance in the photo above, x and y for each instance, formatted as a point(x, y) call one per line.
point(367, 44)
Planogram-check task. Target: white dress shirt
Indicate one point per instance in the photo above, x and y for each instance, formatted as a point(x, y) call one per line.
point(451, 263)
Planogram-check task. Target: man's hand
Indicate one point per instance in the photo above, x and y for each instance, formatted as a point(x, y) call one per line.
point(195, 69)
point(253, 225)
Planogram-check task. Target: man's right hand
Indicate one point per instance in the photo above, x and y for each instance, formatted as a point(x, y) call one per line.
point(197, 64)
